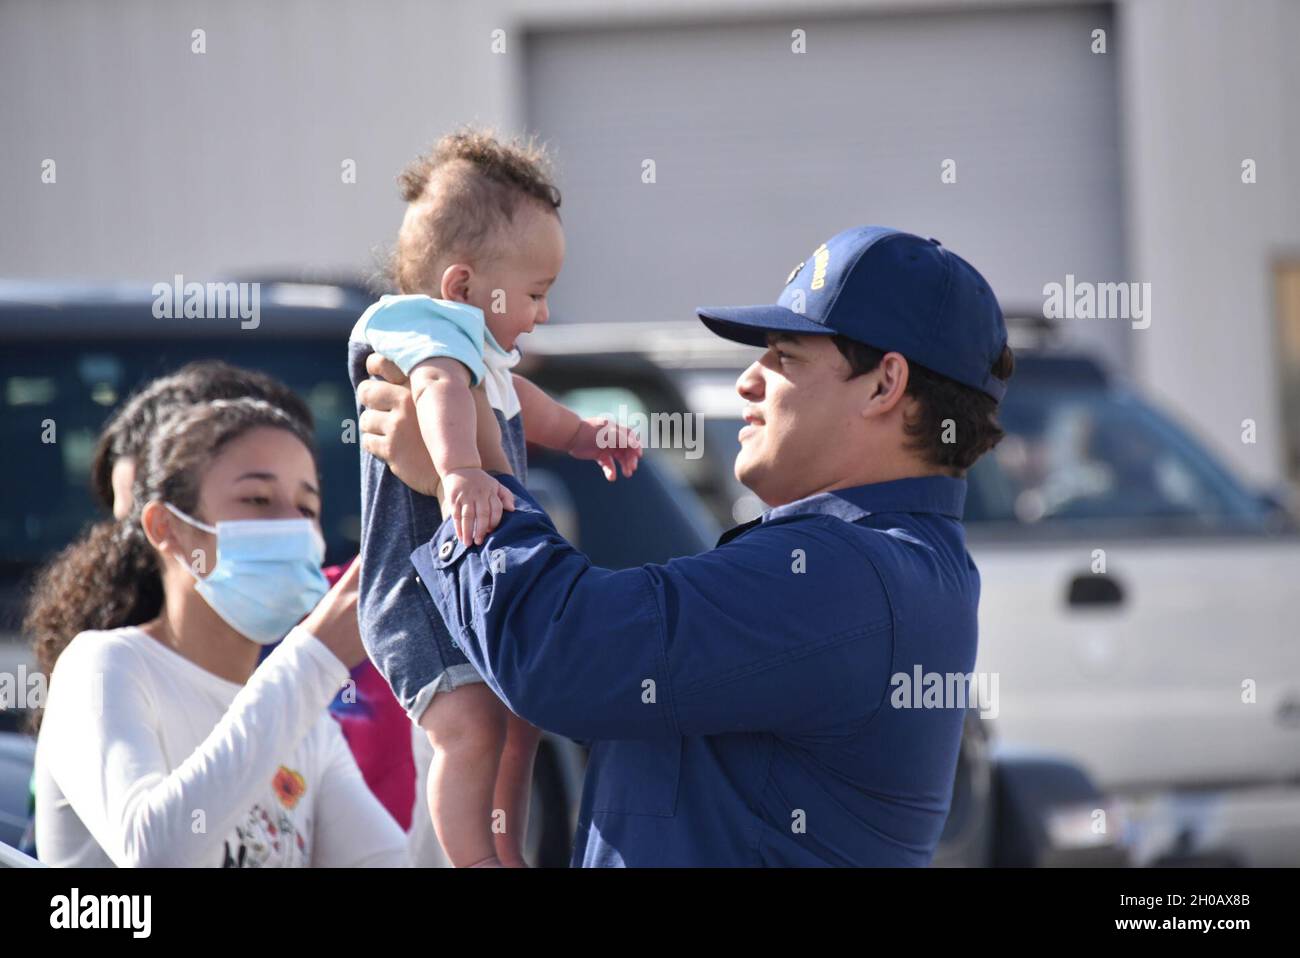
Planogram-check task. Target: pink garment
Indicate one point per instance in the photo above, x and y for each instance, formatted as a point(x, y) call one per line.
point(378, 733)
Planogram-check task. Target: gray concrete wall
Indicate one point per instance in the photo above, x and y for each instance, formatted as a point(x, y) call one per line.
point(229, 161)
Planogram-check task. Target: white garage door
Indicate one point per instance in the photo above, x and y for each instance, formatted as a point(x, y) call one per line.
point(761, 153)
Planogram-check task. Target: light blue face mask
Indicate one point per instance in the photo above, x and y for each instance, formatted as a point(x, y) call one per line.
point(267, 575)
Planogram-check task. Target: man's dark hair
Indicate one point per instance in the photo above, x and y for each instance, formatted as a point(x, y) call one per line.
point(975, 429)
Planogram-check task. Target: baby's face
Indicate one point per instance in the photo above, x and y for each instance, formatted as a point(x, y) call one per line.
point(512, 289)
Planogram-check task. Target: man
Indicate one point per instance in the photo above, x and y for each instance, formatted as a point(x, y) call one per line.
point(742, 704)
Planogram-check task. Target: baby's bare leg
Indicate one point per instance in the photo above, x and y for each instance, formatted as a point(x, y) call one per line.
point(514, 788)
point(467, 728)
point(488, 435)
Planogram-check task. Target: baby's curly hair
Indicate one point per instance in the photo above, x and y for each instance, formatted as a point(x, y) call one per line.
point(462, 195)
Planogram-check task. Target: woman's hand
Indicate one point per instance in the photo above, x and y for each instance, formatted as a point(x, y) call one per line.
point(334, 620)
point(389, 430)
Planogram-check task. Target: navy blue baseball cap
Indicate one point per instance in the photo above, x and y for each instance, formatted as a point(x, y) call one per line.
point(890, 290)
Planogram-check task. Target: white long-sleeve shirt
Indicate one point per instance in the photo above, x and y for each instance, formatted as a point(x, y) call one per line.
point(146, 759)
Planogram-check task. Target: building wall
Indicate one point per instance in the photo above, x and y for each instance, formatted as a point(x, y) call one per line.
point(1206, 85)
point(230, 161)
point(760, 153)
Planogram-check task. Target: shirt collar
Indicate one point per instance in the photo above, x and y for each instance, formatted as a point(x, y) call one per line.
point(494, 355)
point(942, 495)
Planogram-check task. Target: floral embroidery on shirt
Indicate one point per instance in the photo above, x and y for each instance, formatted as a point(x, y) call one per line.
point(289, 786)
point(263, 839)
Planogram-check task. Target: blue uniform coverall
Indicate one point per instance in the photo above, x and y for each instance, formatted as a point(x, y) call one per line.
point(745, 706)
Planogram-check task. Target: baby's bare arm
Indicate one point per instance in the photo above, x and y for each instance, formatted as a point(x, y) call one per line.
point(444, 408)
point(547, 422)
point(610, 445)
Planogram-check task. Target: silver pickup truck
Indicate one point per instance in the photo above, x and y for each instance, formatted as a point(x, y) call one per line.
point(1136, 607)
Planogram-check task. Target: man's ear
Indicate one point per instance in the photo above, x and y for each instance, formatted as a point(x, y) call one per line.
point(889, 385)
point(455, 282)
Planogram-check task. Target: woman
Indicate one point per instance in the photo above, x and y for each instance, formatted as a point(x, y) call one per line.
point(375, 726)
point(163, 742)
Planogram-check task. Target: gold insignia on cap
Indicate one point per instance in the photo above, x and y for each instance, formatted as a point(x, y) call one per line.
point(821, 259)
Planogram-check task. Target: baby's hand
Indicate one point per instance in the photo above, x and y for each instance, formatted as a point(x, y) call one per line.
point(475, 502)
point(607, 443)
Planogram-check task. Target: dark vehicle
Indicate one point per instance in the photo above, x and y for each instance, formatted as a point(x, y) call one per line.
point(70, 356)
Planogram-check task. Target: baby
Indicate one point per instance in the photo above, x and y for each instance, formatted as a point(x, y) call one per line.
point(479, 248)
